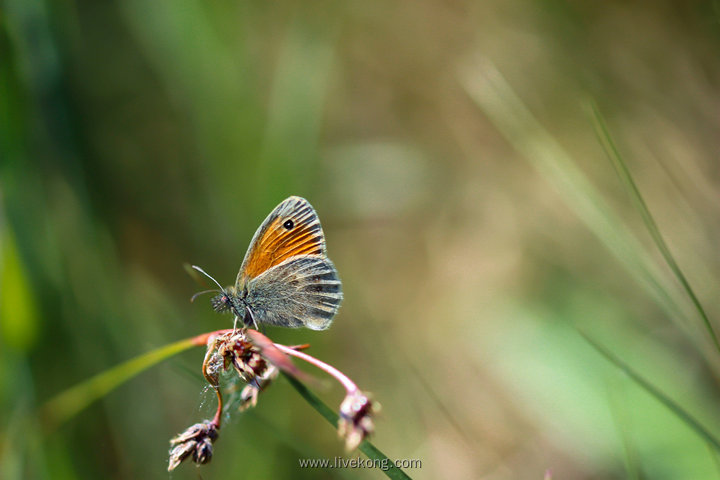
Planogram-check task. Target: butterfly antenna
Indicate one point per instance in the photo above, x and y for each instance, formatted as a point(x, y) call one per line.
point(192, 299)
point(195, 267)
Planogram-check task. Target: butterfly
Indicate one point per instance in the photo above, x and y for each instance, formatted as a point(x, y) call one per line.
point(285, 278)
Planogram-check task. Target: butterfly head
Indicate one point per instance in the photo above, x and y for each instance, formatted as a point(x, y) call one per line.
point(221, 302)
point(226, 299)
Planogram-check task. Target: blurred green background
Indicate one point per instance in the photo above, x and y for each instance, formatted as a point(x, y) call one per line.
point(472, 236)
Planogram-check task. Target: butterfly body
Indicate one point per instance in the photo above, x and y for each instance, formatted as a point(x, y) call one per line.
point(286, 278)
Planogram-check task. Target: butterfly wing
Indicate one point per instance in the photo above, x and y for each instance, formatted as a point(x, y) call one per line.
point(302, 291)
point(292, 229)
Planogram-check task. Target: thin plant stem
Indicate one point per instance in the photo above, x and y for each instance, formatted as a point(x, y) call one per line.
point(496, 98)
point(65, 405)
point(72, 401)
point(679, 412)
point(624, 173)
point(337, 374)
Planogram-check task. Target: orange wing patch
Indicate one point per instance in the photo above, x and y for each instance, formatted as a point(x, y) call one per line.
point(292, 229)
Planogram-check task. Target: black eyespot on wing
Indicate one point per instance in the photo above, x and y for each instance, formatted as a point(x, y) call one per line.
point(289, 224)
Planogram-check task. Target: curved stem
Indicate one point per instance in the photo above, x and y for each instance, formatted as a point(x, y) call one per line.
point(339, 376)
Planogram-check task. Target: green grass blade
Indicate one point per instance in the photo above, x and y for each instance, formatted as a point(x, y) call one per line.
point(329, 414)
point(506, 110)
point(624, 173)
point(683, 415)
point(69, 403)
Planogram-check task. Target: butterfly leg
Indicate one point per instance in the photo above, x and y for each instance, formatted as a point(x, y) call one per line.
point(252, 317)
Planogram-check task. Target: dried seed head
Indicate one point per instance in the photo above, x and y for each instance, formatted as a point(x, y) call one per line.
point(214, 364)
point(196, 441)
point(236, 350)
point(180, 453)
point(249, 394)
point(356, 421)
point(203, 452)
point(258, 361)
